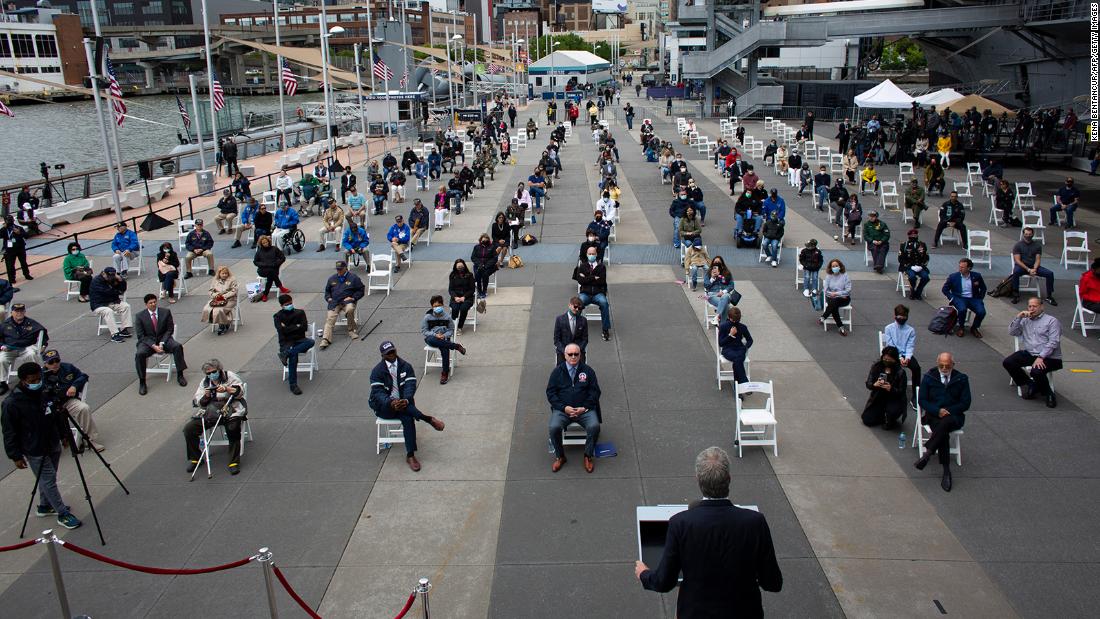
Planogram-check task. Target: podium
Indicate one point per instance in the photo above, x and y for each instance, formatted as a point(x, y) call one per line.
point(652, 529)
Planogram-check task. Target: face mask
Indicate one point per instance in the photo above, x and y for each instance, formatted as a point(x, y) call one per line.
point(34, 386)
point(438, 310)
point(591, 239)
point(213, 375)
point(484, 242)
point(835, 270)
point(683, 196)
point(592, 259)
point(74, 251)
point(888, 362)
point(288, 307)
point(901, 320)
point(165, 250)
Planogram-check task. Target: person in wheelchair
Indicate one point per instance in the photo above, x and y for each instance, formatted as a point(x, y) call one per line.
point(286, 235)
point(356, 244)
point(220, 398)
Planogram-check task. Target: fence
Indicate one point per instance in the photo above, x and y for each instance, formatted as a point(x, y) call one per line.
point(271, 572)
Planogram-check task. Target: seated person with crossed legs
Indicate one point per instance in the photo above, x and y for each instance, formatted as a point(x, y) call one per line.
point(1040, 348)
point(392, 387)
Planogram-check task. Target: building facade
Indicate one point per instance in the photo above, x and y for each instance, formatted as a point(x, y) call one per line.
point(44, 44)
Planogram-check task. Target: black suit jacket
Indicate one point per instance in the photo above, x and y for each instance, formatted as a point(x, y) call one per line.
point(563, 337)
point(143, 327)
point(726, 556)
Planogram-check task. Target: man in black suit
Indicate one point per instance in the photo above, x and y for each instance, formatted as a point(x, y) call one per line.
point(724, 552)
point(571, 328)
point(944, 400)
point(155, 330)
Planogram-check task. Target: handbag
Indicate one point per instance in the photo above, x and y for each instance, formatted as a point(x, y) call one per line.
point(515, 262)
point(218, 301)
point(735, 297)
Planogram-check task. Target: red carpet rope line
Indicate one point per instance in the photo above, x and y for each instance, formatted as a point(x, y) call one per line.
point(19, 546)
point(408, 605)
point(151, 570)
point(294, 594)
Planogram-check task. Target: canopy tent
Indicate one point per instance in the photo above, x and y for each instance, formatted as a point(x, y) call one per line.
point(569, 61)
point(885, 95)
point(977, 101)
point(940, 97)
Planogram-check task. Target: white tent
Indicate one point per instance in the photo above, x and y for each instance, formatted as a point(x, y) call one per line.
point(940, 97)
point(885, 95)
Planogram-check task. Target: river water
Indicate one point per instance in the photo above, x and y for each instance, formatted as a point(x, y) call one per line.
point(67, 132)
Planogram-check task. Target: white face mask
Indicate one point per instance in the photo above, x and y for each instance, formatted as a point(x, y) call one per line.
point(836, 270)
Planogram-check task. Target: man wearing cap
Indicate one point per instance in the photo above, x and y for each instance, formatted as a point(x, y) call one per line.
point(291, 324)
point(392, 387)
point(199, 243)
point(107, 298)
point(342, 291)
point(227, 211)
point(774, 203)
point(125, 246)
point(155, 330)
point(19, 342)
point(877, 236)
point(398, 236)
point(913, 262)
point(952, 213)
point(66, 382)
point(14, 239)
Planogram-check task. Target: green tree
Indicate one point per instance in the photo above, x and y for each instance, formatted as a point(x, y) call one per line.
point(902, 54)
point(570, 41)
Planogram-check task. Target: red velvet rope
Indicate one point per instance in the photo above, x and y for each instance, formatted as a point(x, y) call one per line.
point(152, 570)
point(294, 594)
point(19, 546)
point(408, 605)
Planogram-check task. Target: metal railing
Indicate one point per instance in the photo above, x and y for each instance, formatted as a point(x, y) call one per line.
point(1054, 10)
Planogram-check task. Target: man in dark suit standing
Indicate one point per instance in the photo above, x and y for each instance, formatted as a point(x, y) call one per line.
point(571, 328)
point(155, 331)
point(724, 552)
point(944, 400)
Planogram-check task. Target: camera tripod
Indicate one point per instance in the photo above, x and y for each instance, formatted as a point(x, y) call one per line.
point(84, 482)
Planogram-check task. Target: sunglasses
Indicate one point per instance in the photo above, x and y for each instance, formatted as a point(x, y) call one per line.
point(572, 354)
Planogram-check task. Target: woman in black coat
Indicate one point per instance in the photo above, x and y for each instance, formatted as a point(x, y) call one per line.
point(168, 270)
point(268, 260)
point(460, 287)
point(484, 257)
point(887, 382)
point(500, 233)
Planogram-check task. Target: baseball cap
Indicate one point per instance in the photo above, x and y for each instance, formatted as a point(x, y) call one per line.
point(873, 213)
point(386, 347)
point(340, 264)
point(198, 222)
point(913, 232)
point(19, 307)
point(110, 270)
point(51, 355)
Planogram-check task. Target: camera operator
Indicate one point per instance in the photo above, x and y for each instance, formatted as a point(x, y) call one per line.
point(217, 388)
point(64, 383)
point(33, 436)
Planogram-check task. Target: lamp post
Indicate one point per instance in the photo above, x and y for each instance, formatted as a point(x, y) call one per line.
point(516, 43)
point(209, 79)
point(326, 86)
point(553, 81)
point(279, 71)
point(362, 115)
point(456, 39)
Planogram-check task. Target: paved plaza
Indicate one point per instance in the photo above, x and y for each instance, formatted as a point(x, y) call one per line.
point(858, 531)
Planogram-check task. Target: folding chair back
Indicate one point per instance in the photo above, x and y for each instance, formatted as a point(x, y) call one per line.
point(756, 426)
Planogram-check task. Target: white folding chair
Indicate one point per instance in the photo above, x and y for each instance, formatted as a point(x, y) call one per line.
point(1029, 284)
point(246, 430)
point(1075, 248)
point(951, 233)
point(269, 199)
point(1027, 369)
point(491, 286)
point(389, 433)
point(823, 154)
point(381, 273)
point(72, 286)
point(433, 358)
point(756, 426)
point(1025, 197)
point(973, 173)
point(905, 173)
point(845, 314)
point(797, 274)
point(836, 164)
point(867, 256)
point(164, 363)
point(1033, 220)
point(965, 197)
point(810, 151)
point(994, 214)
point(1080, 314)
point(921, 432)
point(903, 282)
point(881, 343)
point(720, 363)
point(979, 247)
point(333, 238)
point(310, 364)
point(888, 197)
point(183, 228)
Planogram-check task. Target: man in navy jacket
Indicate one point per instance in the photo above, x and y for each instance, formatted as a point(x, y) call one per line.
point(574, 396)
point(392, 387)
point(944, 400)
point(343, 290)
point(965, 290)
point(724, 552)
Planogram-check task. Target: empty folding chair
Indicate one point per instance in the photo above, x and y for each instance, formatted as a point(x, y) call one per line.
point(1075, 249)
point(381, 273)
point(979, 248)
point(756, 426)
point(1085, 318)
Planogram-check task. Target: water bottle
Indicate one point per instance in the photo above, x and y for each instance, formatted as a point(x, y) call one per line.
point(901, 441)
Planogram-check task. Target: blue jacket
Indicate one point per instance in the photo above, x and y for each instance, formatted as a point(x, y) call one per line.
point(401, 233)
point(381, 384)
point(195, 240)
point(67, 375)
point(19, 336)
point(718, 283)
point(954, 396)
point(338, 288)
point(602, 229)
point(584, 391)
point(355, 238)
point(434, 160)
point(736, 345)
point(952, 287)
point(127, 241)
point(421, 169)
point(286, 218)
point(779, 205)
point(248, 212)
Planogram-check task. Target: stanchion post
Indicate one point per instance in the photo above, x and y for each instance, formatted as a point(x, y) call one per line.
point(423, 587)
point(269, 581)
point(55, 567)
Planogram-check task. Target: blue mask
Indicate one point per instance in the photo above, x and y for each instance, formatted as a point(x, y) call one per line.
point(438, 310)
point(592, 259)
point(288, 307)
point(214, 375)
point(34, 386)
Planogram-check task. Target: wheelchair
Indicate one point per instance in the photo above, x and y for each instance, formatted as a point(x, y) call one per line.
point(294, 240)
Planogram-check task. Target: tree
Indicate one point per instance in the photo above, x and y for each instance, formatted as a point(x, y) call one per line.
point(902, 54)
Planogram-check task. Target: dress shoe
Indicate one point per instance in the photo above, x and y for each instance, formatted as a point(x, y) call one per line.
point(414, 464)
point(960, 332)
point(436, 423)
point(143, 389)
point(460, 348)
point(589, 464)
point(296, 390)
point(922, 462)
point(606, 336)
point(1029, 391)
point(234, 469)
point(975, 332)
point(945, 483)
point(235, 244)
point(1052, 400)
point(1050, 301)
point(182, 380)
point(556, 466)
point(188, 275)
point(443, 378)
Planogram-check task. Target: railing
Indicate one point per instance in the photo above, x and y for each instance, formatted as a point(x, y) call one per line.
point(1054, 10)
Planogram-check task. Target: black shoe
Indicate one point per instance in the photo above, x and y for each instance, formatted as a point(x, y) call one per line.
point(27, 277)
point(283, 357)
point(3, 387)
point(1051, 301)
point(923, 462)
point(234, 469)
point(192, 465)
point(945, 483)
point(189, 275)
point(1029, 392)
point(235, 244)
point(295, 390)
point(606, 336)
point(1052, 401)
point(127, 332)
point(1015, 299)
point(143, 389)
point(181, 380)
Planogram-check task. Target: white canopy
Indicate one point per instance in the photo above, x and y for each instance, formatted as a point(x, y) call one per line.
point(885, 95)
point(940, 97)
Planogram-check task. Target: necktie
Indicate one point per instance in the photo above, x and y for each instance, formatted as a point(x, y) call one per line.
point(393, 375)
point(572, 325)
point(944, 378)
point(572, 373)
point(153, 316)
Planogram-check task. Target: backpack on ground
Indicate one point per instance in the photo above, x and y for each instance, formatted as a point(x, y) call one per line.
point(1003, 289)
point(943, 323)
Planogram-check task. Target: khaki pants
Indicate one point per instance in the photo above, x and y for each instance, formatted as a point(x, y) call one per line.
point(82, 413)
point(226, 219)
point(348, 310)
point(416, 235)
point(208, 254)
point(241, 229)
point(323, 230)
point(398, 249)
point(117, 316)
point(16, 358)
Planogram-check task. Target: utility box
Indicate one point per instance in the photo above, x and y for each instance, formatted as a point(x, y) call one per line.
point(204, 179)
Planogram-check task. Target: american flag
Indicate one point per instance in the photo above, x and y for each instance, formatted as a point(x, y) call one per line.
point(290, 85)
point(381, 71)
point(115, 91)
point(5, 110)
point(183, 114)
point(216, 92)
point(405, 78)
point(495, 68)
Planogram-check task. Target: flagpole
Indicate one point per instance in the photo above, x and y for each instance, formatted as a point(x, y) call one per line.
point(362, 116)
point(370, 44)
point(209, 82)
point(102, 131)
point(404, 45)
point(325, 83)
point(114, 128)
point(279, 70)
point(198, 126)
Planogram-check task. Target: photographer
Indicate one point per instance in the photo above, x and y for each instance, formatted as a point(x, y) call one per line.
point(64, 383)
point(220, 395)
point(33, 436)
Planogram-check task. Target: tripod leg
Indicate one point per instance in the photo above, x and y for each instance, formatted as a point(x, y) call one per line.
point(87, 439)
point(88, 495)
point(34, 490)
